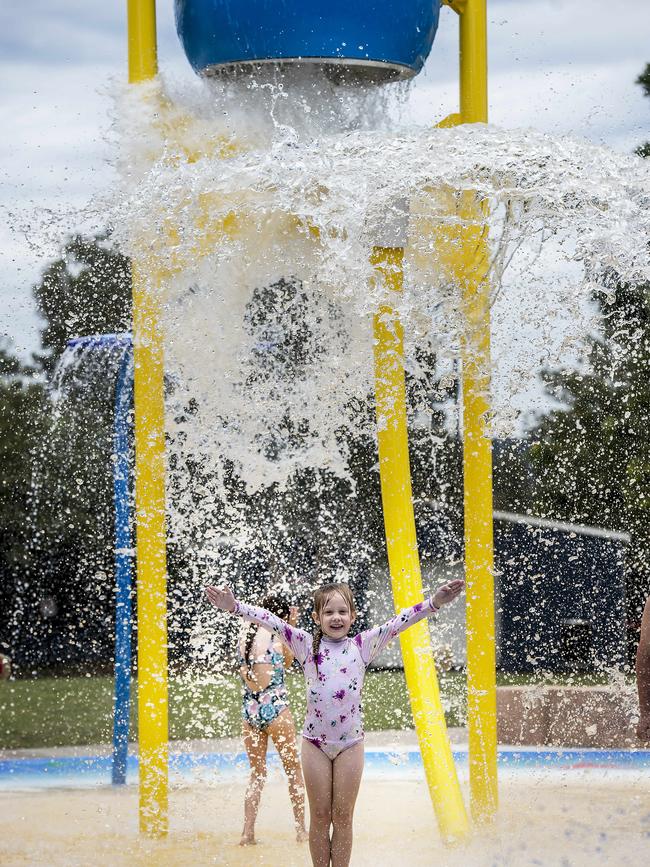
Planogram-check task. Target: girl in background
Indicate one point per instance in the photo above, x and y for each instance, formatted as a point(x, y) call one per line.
point(265, 713)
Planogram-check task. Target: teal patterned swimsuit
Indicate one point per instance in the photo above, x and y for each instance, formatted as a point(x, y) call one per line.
point(259, 709)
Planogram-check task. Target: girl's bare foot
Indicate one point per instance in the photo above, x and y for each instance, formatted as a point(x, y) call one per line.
point(302, 834)
point(248, 838)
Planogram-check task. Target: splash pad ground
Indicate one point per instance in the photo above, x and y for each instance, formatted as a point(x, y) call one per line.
point(558, 807)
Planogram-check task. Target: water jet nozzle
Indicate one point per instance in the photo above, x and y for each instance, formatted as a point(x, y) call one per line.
point(104, 341)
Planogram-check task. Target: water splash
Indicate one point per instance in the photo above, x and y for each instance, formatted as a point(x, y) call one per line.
point(265, 236)
point(258, 204)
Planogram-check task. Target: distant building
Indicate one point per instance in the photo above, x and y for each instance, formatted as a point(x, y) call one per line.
point(559, 595)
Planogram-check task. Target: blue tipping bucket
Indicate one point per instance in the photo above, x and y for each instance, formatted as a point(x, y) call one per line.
point(375, 40)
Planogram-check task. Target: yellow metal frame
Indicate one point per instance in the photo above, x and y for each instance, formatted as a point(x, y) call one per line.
point(467, 263)
point(402, 547)
point(463, 250)
point(149, 488)
point(470, 263)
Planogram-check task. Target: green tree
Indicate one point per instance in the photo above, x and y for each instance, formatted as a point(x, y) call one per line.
point(644, 81)
point(22, 412)
point(591, 456)
point(86, 291)
point(62, 606)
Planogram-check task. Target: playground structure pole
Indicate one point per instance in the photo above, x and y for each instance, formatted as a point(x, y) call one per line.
point(123, 567)
point(402, 548)
point(469, 260)
point(149, 427)
point(142, 43)
point(123, 552)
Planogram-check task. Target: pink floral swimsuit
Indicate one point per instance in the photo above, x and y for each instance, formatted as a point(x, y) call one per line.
point(334, 678)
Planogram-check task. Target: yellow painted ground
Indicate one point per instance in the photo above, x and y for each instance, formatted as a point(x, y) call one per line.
point(539, 824)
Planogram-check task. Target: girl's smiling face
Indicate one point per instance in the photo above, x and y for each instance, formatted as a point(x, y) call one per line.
point(335, 617)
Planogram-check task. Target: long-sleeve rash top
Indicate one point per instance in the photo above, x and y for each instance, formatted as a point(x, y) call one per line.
point(334, 677)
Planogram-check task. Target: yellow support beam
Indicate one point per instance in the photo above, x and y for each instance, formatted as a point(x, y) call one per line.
point(473, 62)
point(149, 488)
point(464, 254)
point(472, 265)
point(151, 557)
point(403, 557)
point(142, 44)
point(473, 261)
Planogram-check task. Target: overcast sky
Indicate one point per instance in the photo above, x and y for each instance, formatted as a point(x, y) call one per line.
point(562, 66)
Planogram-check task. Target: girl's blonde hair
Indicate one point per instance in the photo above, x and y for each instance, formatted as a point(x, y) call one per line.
point(321, 598)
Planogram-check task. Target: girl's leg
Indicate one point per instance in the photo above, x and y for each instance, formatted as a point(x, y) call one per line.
point(346, 777)
point(256, 742)
point(317, 769)
point(283, 735)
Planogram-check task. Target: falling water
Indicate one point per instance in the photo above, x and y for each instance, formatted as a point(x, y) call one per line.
point(268, 319)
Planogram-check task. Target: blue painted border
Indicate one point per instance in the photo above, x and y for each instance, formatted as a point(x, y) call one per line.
point(71, 771)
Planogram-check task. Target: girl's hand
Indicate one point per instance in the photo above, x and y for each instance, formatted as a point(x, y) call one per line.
point(447, 592)
point(293, 615)
point(221, 597)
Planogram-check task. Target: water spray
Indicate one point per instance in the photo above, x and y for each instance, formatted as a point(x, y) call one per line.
point(124, 552)
point(241, 43)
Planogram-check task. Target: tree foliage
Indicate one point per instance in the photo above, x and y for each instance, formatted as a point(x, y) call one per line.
point(22, 405)
point(86, 291)
point(56, 497)
point(590, 457)
point(644, 81)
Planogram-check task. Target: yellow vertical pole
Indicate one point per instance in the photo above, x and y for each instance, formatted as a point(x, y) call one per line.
point(479, 554)
point(477, 451)
point(473, 61)
point(149, 488)
point(403, 558)
point(142, 46)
